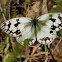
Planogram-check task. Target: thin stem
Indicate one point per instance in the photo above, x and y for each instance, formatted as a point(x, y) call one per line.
point(27, 3)
point(9, 9)
point(17, 1)
point(27, 11)
point(50, 52)
point(2, 13)
point(46, 53)
point(6, 50)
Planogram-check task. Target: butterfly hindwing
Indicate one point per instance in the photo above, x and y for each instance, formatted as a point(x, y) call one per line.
point(48, 32)
point(54, 24)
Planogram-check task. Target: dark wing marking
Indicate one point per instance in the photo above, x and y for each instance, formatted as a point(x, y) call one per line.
point(59, 17)
point(17, 24)
point(17, 19)
point(53, 27)
point(51, 32)
point(53, 20)
point(17, 32)
point(9, 24)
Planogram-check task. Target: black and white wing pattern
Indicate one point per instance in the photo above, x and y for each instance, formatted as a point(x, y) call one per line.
point(18, 28)
point(48, 32)
point(53, 24)
point(24, 28)
point(14, 27)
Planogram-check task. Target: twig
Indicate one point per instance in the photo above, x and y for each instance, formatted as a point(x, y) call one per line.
point(35, 48)
point(50, 52)
point(27, 3)
point(36, 54)
point(40, 53)
point(56, 58)
point(44, 7)
point(56, 46)
point(2, 13)
point(9, 8)
point(17, 1)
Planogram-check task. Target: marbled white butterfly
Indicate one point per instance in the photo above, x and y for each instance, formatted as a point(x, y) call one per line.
point(41, 30)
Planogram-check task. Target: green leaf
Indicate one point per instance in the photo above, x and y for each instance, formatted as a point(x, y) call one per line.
point(4, 10)
point(0, 14)
point(59, 33)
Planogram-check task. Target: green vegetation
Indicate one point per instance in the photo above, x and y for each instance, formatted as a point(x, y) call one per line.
point(12, 56)
point(57, 9)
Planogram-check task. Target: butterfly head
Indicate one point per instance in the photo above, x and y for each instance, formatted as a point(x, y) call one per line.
point(34, 22)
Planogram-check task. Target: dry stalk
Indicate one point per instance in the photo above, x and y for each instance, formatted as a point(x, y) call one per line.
point(56, 58)
point(34, 49)
point(2, 13)
point(56, 46)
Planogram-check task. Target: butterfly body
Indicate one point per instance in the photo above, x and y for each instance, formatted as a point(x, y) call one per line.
point(42, 28)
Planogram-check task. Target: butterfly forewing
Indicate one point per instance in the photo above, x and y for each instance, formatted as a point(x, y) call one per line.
point(14, 26)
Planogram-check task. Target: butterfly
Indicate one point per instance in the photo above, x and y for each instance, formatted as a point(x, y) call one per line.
point(41, 30)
